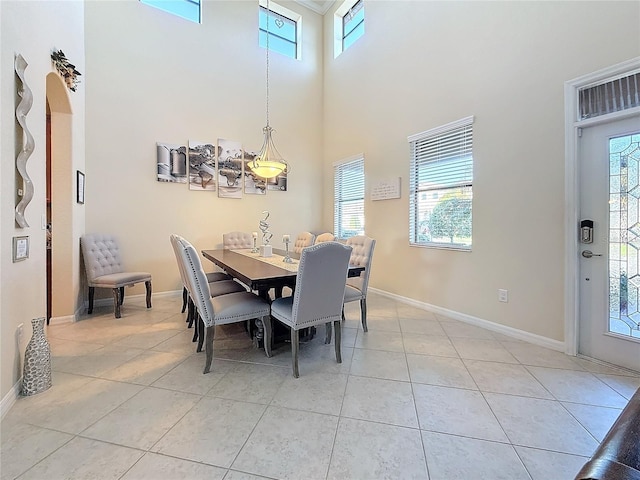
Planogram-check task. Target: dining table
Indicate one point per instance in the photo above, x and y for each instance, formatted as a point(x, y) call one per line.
point(261, 274)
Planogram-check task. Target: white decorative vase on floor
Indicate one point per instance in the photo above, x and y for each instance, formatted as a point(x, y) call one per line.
point(36, 377)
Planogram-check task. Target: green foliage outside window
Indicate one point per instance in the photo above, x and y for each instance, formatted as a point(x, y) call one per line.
point(450, 218)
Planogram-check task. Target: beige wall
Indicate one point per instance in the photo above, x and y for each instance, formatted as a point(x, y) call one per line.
point(424, 64)
point(33, 29)
point(152, 77)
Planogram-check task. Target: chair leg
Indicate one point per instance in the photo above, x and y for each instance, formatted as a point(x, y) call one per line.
point(363, 311)
point(92, 291)
point(343, 319)
point(327, 333)
point(147, 285)
point(190, 313)
point(294, 351)
point(268, 336)
point(196, 324)
point(200, 333)
point(116, 302)
point(121, 295)
point(208, 348)
point(184, 299)
point(338, 341)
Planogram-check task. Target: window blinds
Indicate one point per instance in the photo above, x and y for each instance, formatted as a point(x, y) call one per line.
point(440, 185)
point(349, 198)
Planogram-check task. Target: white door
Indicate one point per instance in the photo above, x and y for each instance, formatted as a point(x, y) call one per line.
point(609, 164)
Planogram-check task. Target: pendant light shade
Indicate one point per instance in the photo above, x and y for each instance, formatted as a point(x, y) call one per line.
point(268, 163)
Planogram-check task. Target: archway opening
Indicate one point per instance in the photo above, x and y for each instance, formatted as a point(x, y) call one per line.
point(60, 245)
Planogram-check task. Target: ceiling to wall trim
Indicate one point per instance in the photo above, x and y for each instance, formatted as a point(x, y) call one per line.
point(318, 6)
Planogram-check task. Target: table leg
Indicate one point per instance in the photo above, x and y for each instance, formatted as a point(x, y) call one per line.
point(256, 331)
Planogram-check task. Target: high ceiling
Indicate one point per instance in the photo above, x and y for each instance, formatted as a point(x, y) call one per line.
point(318, 6)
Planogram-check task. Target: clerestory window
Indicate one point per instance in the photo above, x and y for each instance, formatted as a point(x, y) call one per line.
point(348, 25)
point(189, 9)
point(284, 29)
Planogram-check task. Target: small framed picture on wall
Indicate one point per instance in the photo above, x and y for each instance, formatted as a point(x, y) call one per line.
point(20, 248)
point(80, 186)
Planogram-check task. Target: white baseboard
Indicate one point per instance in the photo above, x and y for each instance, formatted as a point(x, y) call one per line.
point(168, 293)
point(69, 318)
point(101, 302)
point(64, 319)
point(10, 398)
point(479, 322)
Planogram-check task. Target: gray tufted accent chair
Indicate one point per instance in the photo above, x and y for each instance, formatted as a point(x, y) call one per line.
point(220, 310)
point(104, 269)
point(356, 288)
point(235, 240)
point(305, 239)
point(318, 296)
point(324, 237)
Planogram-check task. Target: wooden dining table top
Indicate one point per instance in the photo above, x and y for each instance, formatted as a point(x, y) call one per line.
point(257, 274)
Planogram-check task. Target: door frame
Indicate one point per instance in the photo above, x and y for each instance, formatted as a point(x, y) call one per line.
point(572, 191)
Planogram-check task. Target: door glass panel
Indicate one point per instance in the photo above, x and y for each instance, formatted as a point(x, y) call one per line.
point(624, 235)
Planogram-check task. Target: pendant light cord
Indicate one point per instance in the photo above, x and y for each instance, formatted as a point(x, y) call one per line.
point(268, 13)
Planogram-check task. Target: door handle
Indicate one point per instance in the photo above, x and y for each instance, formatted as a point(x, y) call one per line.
point(589, 254)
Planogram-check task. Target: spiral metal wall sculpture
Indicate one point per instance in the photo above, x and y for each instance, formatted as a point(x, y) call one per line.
point(26, 192)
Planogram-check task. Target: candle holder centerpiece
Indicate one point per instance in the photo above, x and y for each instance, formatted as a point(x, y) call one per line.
point(286, 239)
point(265, 249)
point(255, 242)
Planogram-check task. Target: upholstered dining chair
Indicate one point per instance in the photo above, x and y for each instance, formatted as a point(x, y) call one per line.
point(324, 237)
point(303, 240)
point(211, 276)
point(356, 288)
point(220, 310)
point(318, 297)
point(104, 268)
point(235, 240)
point(219, 284)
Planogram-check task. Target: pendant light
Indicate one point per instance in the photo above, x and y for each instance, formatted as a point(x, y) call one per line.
point(268, 163)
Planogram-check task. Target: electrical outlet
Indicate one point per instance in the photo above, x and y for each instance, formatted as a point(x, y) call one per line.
point(20, 331)
point(503, 295)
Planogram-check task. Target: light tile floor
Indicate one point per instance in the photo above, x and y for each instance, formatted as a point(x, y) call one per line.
point(418, 396)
